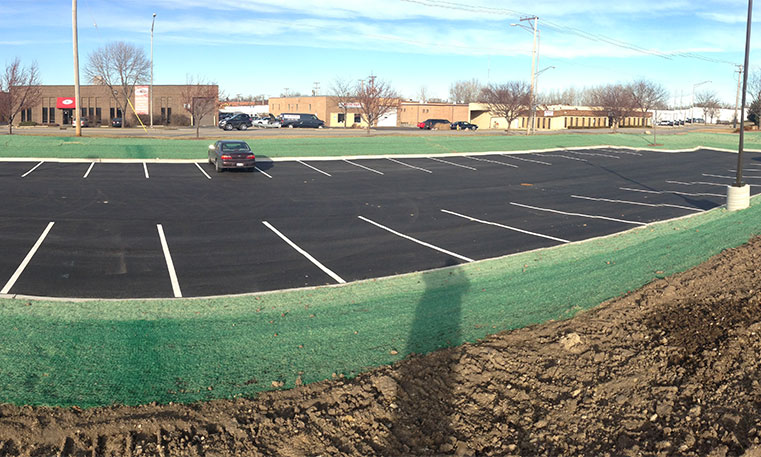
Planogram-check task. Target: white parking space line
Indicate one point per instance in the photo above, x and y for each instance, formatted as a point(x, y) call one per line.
point(145, 169)
point(408, 165)
point(314, 168)
point(564, 157)
point(623, 152)
point(362, 166)
point(26, 260)
point(512, 156)
point(515, 229)
point(415, 240)
point(655, 205)
point(590, 216)
point(322, 267)
point(593, 154)
point(728, 177)
point(493, 161)
point(202, 170)
point(672, 192)
point(169, 263)
point(452, 163)
point(697, 183)
point(33, 168)
point(262, 172)
point(89, 169)
point(746, 169)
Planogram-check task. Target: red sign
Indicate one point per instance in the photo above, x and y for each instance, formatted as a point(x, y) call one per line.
point(142, 99)
point(65, 103)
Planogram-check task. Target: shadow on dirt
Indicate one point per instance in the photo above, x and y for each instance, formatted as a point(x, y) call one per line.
point(425, 396)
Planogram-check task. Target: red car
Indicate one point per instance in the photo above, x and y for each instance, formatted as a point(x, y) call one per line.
point(231, 154)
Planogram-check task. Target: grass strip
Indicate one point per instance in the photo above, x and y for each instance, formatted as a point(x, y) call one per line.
point(133, 352)
point(153, 148)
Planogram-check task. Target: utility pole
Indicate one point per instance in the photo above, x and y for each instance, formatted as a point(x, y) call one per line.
point(77, 111)
point(151, 96)
point(737, 97)
point(738, 194)
point(532, 108)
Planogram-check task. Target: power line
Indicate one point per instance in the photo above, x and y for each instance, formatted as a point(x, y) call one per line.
point(566, 29)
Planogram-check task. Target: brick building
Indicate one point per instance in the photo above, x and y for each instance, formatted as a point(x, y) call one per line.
point(99, 107)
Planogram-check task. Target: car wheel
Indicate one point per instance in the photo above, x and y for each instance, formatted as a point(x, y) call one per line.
point(242, 127)
point(320, 126)
point(217, 167)
point(228, 127)
point(290, 126)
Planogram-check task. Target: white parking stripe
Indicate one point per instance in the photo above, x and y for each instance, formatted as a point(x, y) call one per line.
point(26, 260)
point(145, 168)
point(313, 168)
point(513, 156)
point(623, 152)
point(695, 183)
point(564, 157)
point(33, 168)
point(673, 192)
point(415, 240)
point(481, 221)
point(202, 170)
point(593, 154)
point(590, 216)
point(493, 161)
point(638, 203)
point(452, 163)
point(728, 177)
point(169, 263)
point(408, 165)
point(322, 267)
point(362, 166)
point(260, 171)
point(87, 173)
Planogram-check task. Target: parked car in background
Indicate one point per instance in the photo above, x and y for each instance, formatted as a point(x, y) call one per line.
point(664, 122)
point(231, 154)
point(266, 122)
point(83, 122)
point(116, 122)
point(429, 124)
point(292, 120)
point(240, 121)
point(223, 116)
point(462, 125)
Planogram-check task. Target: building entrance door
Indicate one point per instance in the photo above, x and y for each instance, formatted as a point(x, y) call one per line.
point(68, 115)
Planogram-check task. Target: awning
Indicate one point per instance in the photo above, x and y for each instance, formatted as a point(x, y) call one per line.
point(65, 103)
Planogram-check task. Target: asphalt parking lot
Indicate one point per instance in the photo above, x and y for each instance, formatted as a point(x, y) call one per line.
point(142, 230)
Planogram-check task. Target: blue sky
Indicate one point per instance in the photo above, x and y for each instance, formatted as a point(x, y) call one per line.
point(262, 47)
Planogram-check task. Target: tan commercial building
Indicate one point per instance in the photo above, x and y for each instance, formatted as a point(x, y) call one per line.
point(412, 113)
point(99, 107)
point(559, 117)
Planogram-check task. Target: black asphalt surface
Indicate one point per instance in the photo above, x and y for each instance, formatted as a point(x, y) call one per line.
point(105, 241)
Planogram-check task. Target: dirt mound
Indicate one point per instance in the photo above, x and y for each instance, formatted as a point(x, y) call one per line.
point(669, 370)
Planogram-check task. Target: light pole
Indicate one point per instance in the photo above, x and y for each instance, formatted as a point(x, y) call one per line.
point(738, 194)
point(692, 104)
point(534, 57)
point(150, 108)
point(77, 111)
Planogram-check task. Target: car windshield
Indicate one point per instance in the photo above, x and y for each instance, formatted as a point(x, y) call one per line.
point(234, 146)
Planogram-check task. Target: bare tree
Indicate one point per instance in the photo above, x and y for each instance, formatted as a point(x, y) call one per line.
point(422, 94)
point(709, 102)
point(647, 95)
point(465, 91)
point(119, 66)
point(199, 98)
point(615, 100)
point(508, 100)
point(343, 93)
point(22, 90)
point(376, 99)
point(568, 96)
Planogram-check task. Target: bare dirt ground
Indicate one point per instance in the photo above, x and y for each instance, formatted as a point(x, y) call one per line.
point(669, 370)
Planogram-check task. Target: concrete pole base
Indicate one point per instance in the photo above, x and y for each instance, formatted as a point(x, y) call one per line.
point(738, 197)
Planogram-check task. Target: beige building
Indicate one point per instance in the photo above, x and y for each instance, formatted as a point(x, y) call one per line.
point(99, 107)
point(558, 117)
point(411, 113)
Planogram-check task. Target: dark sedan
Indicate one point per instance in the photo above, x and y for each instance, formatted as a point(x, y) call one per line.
point(231, 154)
point(462, 125)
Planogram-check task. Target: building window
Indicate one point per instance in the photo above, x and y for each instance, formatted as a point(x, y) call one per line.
point(44, 115)
point(357, 118)
point(98, 118)
point(51, 113)
point(341, 117)
point(90, 112)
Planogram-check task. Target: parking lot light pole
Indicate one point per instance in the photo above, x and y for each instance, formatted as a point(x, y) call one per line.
point(692, 105)
point(150, 108)
point(738, 194)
